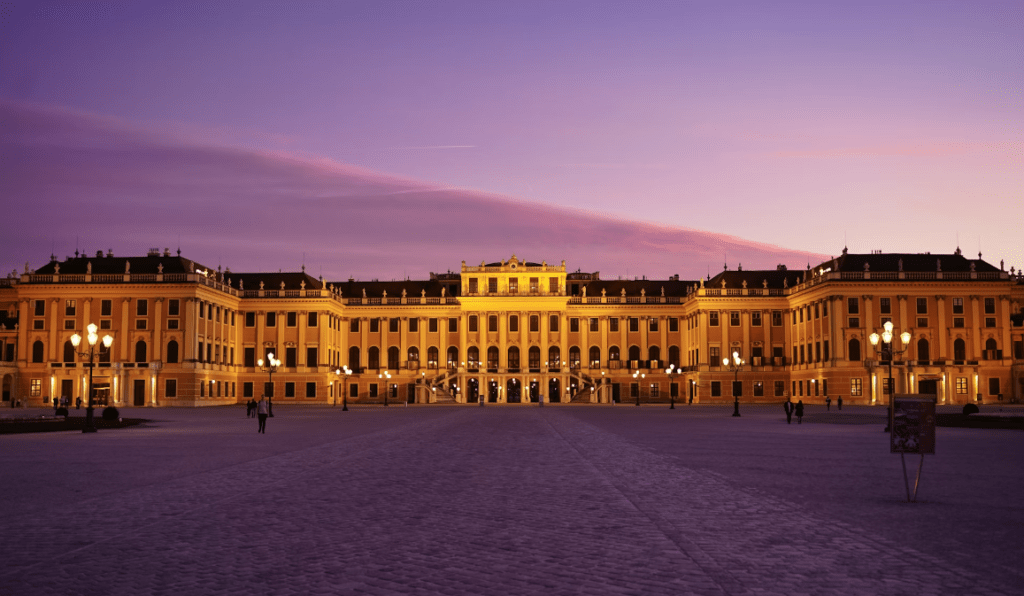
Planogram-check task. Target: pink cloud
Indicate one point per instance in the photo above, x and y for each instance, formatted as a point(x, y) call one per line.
point(120, 186)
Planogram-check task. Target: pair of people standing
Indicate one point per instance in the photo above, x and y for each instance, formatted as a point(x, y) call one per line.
point(791, 409)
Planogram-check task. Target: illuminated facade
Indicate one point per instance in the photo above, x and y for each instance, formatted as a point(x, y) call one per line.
point(512, 331)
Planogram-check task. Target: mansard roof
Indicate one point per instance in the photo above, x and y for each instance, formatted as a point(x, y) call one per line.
point(651, 287)
point(917, 262)
point(110, 265)
point(756, 278)
point(272, 281)
point(376, 289)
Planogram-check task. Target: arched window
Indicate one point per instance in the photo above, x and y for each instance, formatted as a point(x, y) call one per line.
point(453, 357)
point(673, 355)
point(854, 351)
point(613, 353)
point(414, 355)
point(990, 344)
point(534, 358)
point(172, 352)
point(492, 358)
point(353, 358)
point(473, 356)
point(513, 358)
point(140, 351)
point(394, 357)
point(959, 350)
point(37, 351)
point(554, 357)
point(69, 351)
point(634, 352)
point(373, 356)
point(922, 349)
point(432, 357)
point(654, 353)
point(595, 357)
point(574, 357)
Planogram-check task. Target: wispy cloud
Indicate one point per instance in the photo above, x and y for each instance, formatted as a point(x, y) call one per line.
point(118, 186)
point(439, 147)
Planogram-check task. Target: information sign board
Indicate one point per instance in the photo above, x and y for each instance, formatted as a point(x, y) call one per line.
point(913, 425)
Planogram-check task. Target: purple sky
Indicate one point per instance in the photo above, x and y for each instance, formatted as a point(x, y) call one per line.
point(385, 139)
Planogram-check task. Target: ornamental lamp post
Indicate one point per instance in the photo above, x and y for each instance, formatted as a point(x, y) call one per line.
point(269, 366)
point(734, 364)
point(672, 371)
point(91, 338)
point(345, 370)
point(385, 377)
point(640, 375)
point(889, 353)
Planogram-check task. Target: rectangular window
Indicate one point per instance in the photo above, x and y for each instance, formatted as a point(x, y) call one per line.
point(373, 390)
point(958, 322)
point(990, 306)
point(884, 320)
point(474, 285)
point(250, 319)
point(36, 386)
point(776, 318)
point(824, 309)
point(713, 318)
point(414, 325)
point(716, 388)
point(171, 388)
point(534, 323)
point(958, 306)
point(758, 389)
point(534, 285)
point(106, 306)
point(249, 353)
point(885, 306)
point(353, 390)
point(552, 285)
point(69, 308)
point(474, 324)
point(780, 388)
point(853, 306)
point(993, 386)
point(70, 324)
point(271, 319)
point(141, 307)
point(432, 325)
point(513, 285)
point(140, 323)
point(755, 318)
point(375, 325)
point(825, 354)
point(922, 321)
point(290, 356)
point(922, 306)
point(595, 325)
point(856, 387)
point(394, 325)
point(453, 325)
point(289, 389)
point(312, 319)
point(801, 315)
point(734, 318)
point(553, 324)
point(634, 324)
point(513, 324)
point(652, 324)
point(990, 321)
point(854, 322)
point(961, 385)
point(247, 389)
point(655, 391)
point(613, 324)
point(173, 307)
point(312, 356)
point(310, 389)
point(292, 319)
point(715, 353)
point(492, 324)
point(40, 308)
point(492, 285)
point(353, 325)
point(574, 325)
point(816, 311)
point(673, 324)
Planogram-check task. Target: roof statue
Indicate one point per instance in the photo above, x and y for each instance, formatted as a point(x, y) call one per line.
point(442, 291)
point(159, 267)
point(403, 292)
point(364, 292)
point(972, 267)
point(867, 266)
point(938, 264)
point(88, 267)
point(261, 284)
point(785, 282)
point(900, 264)
point(744, 284)
point(584, 291)
point(623, 292)
point(723, 283)
point(643, 292)
point(56, 269)
point(603, 292)
point(384, 294)
point(127, 267)
point(702, 282)
point(663, 291)
point(423, 293)
point(764, 283)
point(282, 284)
point(302, 285)
point(241, 284)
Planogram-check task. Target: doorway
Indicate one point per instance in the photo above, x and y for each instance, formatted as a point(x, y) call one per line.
point(554, 395)
point(67, 389)
point(514, 390)
point(928, 386)
point(139, 392)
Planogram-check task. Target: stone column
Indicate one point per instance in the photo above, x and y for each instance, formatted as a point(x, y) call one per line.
point(158, 318)
point(300, 357)
point(975, 330)
point(942, 330)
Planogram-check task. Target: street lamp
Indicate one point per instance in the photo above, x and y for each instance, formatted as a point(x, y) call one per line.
point(888, 353)
point(269, 366)
point(344, 393)
point(92, 338)
point(641, 376)
point(734, 365)
point(385, 377)
point(672, 371)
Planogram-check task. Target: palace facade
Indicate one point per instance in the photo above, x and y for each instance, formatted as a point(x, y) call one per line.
point(510, 332)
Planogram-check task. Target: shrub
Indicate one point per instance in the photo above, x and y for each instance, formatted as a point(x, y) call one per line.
point(61, 412)
point(970, 409)
point(111, 413)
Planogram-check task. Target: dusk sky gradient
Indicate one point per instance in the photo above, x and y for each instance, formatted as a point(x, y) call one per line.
point(385, 139)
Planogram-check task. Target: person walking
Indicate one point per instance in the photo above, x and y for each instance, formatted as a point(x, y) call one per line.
point(828, 404)
point(800, 412)
point(788, 406)
point(839, 402)
point(78, 403)
point(262, 411)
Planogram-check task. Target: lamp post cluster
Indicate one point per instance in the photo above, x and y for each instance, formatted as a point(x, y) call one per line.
point(734, 364)
point(269, 366)
point(344, 370)
point(889, 353)
point(385, 377)
point(92, 338)
point(672, 371)
point(641, 376)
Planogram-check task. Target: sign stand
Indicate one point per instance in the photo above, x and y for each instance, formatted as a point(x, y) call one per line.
point(912, 430)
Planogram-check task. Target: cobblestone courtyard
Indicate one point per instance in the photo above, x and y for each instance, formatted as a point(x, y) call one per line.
point(507, 500)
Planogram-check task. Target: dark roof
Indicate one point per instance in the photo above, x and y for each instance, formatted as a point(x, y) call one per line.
point(272, 281)
point(104, 265)
point(910, 262)
point(651, 287)
point(776, 278)
point(376, 289)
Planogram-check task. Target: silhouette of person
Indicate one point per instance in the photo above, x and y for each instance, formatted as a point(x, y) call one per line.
point(262, 410)
point(839, 402)
point(828, 404)
point(788, 406)
point(800, 412)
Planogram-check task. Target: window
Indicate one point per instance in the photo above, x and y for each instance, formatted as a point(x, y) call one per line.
point(474, 286)
point(854, 322)
point(885, 306)
point(856, 388)
point(613, 325)
point(474, 323)
point(312, 356)
point(289, 389)
point(394, 325)
point(290, 356)
point(69, 308)
point(884, 320)
point(534, 285)
point(40, 308)
point(513, 285)
point(854, 350)
point(492, 358)
point(70, 324)
point(106, 306)
point(673, 324)
point(37, 351)
point(140, 351)
point(713, 318)
point(312, 319)
point(552, 285)
point(993, 386)
point(453, 325)
point(715, 353)
point(140, 323)
point(961, 385)
point(958, 322)
point(553, 324)
point(171, 388)
point(652, 324)
point(958, 306)
point(431, 325)
point(990, 321)
point(801, 315)
point(655, 391)
point(922, 321)
point(513, 358)
point(574, 325)
point(595, 325)
point(780, 388)
point(716, 388)
point(758, 389)
point(534, 323)
point(755, 318)
point(38, 324)
point(172, 352)
point(734, 318)
point(990, 306)
point(513, 324)
point(816, 311)
point(432, 357)
point(353, 326)
point(853, 306)
point(36, 387)
point(922, 306)
point(959, 349)
point(250, 319)
point(776, 318)
point(310, 389)
point(824, 309)
point(414, 325)
point(634, 324)
point(271, 319)
point(492, 323)
point(492, 285)
point(142, 307)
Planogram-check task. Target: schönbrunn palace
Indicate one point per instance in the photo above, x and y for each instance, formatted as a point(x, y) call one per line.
point(511, 331)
